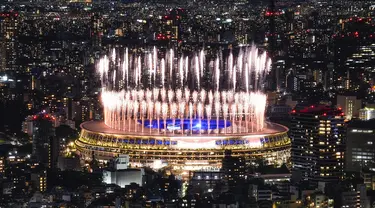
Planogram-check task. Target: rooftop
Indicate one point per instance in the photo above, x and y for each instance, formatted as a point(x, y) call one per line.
point(370, 124)
point(318, 109)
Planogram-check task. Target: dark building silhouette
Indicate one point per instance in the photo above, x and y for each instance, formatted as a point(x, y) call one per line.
point(44, 141)
point(233, 168)
point(53, 152)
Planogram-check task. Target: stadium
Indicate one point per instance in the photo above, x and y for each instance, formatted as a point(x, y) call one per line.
point(183, 111)
point(183, 152)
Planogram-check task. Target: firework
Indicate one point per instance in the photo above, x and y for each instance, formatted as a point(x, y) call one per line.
point(169, 92)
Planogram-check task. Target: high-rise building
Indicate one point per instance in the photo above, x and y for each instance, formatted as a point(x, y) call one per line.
point(317, 133)
point(233, 168)
point(358, 66)
point(43, 134)
point(280, 75)
point(350, 105)
point(8, 37)
point(96, 30)
point(53, 152)
point(28, 126)
point(360, 145)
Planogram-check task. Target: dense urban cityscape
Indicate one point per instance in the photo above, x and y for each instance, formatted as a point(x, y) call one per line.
point(199, 104)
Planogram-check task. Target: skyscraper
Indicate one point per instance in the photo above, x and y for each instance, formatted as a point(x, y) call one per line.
point(8, 37)
point(43, 134)
point(360, 145)
point(233, 168)
point(271, 14)
point(96, 30)
point(53, 152)
point(317, 133)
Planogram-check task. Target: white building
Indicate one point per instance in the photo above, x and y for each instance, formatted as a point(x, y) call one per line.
point(121, 175)
point(350, 105)
point(121, 162)
point(367, 113)
point(124, 177)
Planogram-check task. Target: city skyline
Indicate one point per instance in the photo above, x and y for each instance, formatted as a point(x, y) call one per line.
point(187, 103)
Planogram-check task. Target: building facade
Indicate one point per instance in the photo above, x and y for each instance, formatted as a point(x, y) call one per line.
point(317, 133)
point(367, 113)
point(45, 146)
point(360, 145)
point(118, 173)
point(350, 105)
point(8, 44)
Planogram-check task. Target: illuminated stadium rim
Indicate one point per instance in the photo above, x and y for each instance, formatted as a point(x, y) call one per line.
point(275, 141)
point(145, 149)
point(178, 153)
point(281, 130)
point(236, 144)
point(147, 153)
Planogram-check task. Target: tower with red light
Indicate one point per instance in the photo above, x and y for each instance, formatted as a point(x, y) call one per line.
point(273, 39)
point(317, 133)
point(171, 25)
